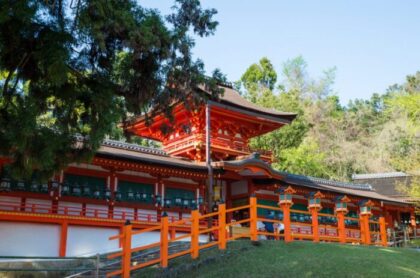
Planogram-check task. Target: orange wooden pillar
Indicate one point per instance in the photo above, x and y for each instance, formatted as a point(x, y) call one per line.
point(367, 230)
point(195, 226)
point(341, 227)
point(222, 226)
point(314, 205)
point(253, 218)
point(173, 233)
point(63, 239)
point(362, 230)
point(413, 219)
point(126, 250)
point(164, 231)
point(340, 211)
point(287, 224)
point(285, 202)
point(121, 240)
point(382, 229)
point(315, 224)
point(365, 213)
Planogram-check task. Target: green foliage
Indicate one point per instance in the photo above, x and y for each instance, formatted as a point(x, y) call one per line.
point(305, 159)
point(328, 140)
point(259, 78)
point(79, 67)
point(270, 258)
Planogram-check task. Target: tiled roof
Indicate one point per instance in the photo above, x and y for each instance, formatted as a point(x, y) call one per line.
point(379, 175)
point(133, 147)
point(232, 97)
point(121, 150)
point(349, 185)
point(361, 190)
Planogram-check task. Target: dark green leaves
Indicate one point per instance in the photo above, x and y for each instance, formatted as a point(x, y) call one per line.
point(80, 67)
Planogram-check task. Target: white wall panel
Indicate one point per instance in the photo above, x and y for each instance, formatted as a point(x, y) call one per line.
point(24, 239)
point(85, 241)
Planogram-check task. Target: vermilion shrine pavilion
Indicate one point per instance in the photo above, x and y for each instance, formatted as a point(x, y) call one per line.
point(78, 209)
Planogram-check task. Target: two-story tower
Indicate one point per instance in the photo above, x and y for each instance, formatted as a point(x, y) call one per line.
point(233, 122)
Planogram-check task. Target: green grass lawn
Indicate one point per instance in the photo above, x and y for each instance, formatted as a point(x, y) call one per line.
point(297, 259)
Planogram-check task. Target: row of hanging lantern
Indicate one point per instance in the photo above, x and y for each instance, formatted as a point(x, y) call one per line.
point(314, 201)
point(6, 184)
point(56, 189)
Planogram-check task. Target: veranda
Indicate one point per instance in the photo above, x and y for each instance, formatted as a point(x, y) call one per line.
point(367, 232)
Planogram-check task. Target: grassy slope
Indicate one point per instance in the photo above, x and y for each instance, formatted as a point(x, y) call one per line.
point(303, 259)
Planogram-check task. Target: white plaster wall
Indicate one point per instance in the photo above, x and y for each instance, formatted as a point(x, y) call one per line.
point(102, 211)
point(46, 205)
point(153, 237)
point(118, 213)
point(24, 239)
point(10, 203)
point(239, 187)
point(72, 208)
point(85, 241)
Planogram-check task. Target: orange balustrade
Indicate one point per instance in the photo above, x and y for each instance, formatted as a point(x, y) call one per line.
point(198, 226)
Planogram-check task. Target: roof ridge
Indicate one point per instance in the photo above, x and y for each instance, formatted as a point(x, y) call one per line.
point(133, 147)
point(380, 175)
point(349, 185)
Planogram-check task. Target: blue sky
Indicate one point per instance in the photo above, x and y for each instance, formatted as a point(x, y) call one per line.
point(373, 44)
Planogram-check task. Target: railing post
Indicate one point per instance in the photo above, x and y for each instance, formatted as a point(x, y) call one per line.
point(367, 230)
point(382, 228)
point(315, 224)
point(173, 233)
point(253, 218)
point(195, 215)
point(341, 227)
point(287, 224)
point(362, 229)
point(164, 240)
point(222, 226)
point(126, 250)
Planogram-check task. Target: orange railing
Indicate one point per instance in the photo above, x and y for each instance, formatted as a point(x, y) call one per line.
point(87, 212)
point(198, 225)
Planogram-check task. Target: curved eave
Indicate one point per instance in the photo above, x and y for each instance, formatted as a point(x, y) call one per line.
point(350, 192)
point(281, 119)
point(163, 161)
point(255, 165)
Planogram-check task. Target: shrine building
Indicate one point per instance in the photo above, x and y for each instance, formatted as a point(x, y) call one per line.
point(76, 212)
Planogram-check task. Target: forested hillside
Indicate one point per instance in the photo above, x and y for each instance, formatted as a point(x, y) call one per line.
point(327, 139)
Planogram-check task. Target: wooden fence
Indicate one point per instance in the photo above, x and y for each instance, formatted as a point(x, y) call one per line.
point(198, 225)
